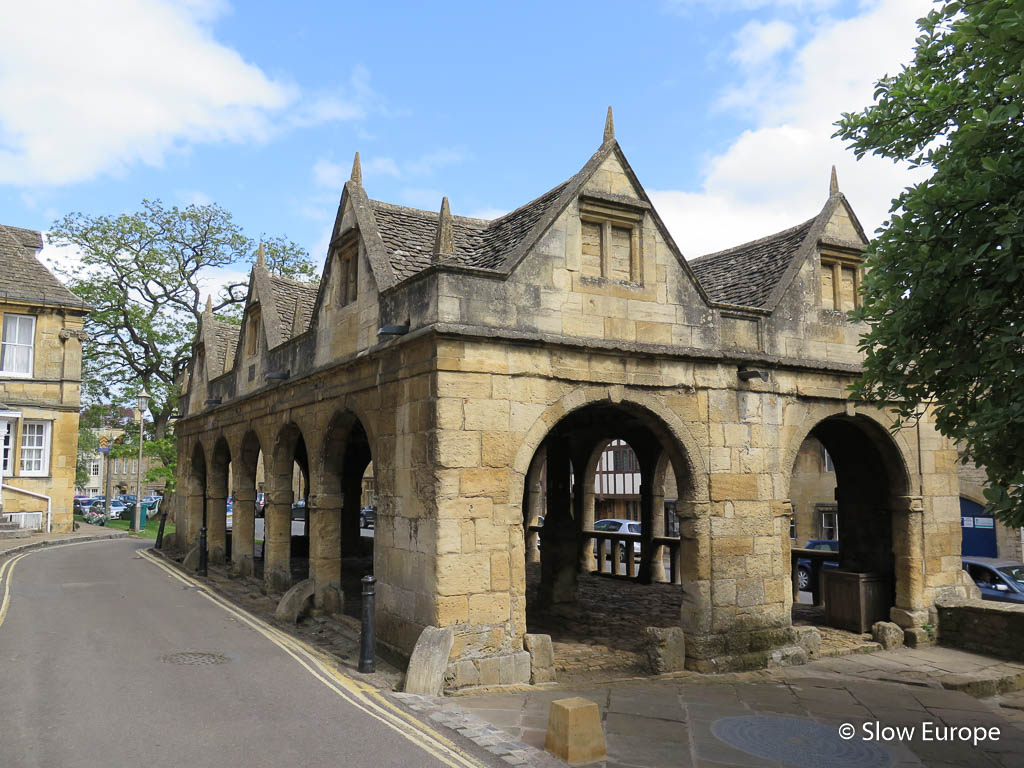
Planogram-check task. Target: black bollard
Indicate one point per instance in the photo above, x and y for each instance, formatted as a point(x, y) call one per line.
point(368, 633)
point(160, 533)
point(202, 551)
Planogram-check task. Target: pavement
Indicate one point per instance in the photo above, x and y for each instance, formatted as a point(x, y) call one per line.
point(785, 717)
point(35, 540)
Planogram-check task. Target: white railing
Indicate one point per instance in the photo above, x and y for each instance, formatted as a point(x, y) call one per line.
point(33, 520)
point(33, 494)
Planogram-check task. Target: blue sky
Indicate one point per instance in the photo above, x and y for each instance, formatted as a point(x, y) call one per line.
point(724, 107)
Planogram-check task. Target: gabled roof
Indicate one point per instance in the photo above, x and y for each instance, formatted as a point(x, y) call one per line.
point(225, 344)
point(747, 274)
point(756, 274)
point(23, 276)
point(289, 294)
point(409, 235)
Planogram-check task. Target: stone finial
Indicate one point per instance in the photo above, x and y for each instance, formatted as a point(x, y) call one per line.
point(609, 127)
point(444, 243)
point(357, 171)
point(261, 257)
point(209, 304)
point(833, 185)
point(297, 318)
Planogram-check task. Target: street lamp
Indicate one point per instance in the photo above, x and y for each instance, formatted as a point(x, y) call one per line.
point(142, 401)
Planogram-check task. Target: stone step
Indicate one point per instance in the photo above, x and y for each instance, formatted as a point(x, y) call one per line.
point(17, 533)
point(9, 526)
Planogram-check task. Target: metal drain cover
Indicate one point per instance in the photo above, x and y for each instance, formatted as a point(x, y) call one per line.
point(192, 658)
point(796, 742)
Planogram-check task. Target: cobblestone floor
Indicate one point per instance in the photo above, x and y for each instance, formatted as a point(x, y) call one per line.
point(834, 642)
point(602, 632)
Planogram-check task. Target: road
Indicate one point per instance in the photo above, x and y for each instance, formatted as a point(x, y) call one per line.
point(91, 637)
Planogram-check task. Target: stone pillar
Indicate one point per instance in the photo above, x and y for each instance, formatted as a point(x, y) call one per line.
point(558, 536)
point(645, 573)
point(243, 525)
point(216, 525)
point(533, 497)
point(324, 511)
point(908, 560)
point(658, 529)
point(695, 568)
point(782, 511)
point(585, 491)
point(277, 538)
point(193, 518)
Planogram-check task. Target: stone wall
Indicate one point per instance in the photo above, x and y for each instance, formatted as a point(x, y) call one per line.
point(983, 626)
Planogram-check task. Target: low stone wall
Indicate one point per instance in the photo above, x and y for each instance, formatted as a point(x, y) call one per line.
point(983, 626)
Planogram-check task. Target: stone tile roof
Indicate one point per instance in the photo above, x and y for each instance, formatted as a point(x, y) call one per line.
point(409, 235)
point(23, 276)
point(285, 294)
point(748, 273)
point(225, 336)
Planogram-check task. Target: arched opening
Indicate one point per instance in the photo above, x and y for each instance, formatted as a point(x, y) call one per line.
point(246, 505)
point(344, 515)
point(598, 549)
point(286, 542)
point(844, 534)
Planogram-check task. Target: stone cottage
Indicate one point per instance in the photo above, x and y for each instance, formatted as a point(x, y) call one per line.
point(40, 383)
point(470, 358)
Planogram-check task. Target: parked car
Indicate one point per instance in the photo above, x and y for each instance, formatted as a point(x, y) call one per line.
point(367, 517)
point(117, 508)
point(150, 506)
point(299, 511)
point(81, 503)
point(618, 525)
point(1000, 580)
point(261, 503)
point(803, 564)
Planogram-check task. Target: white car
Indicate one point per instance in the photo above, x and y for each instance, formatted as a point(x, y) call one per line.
point(618, 525)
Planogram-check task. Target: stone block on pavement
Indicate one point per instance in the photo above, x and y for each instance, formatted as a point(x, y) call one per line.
point(574, 731)
point(542, 658)
point(429, 660)
point(666, 649)
point(191, 561)
point(296, 602)
point(809, 638)
point(888, 634)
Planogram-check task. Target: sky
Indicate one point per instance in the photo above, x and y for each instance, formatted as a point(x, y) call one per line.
point(724, 108)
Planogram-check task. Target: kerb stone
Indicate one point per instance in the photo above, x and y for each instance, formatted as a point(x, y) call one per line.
point(429, 660)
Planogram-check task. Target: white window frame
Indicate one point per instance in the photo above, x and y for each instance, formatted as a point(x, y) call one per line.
point(4, 344)
point(7, 447)
point(94, 467)
point(44, 463)
point(826, 460)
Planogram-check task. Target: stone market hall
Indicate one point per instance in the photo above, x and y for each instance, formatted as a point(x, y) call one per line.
point(480, 368)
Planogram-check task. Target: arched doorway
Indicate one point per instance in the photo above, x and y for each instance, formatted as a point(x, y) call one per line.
point(596, 545)
point(286, 543)
point(244, 494)
point(847, 532)
point(216, 502)
point(342, 548)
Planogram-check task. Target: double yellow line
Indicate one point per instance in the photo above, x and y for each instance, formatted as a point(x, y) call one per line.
point(5, 571)
point(363, 697)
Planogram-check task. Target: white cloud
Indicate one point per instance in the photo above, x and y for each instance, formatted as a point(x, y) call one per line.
point(104, 86)
point(382, 166)
point(776, 174)
point(684, 7)
point(757, 43)
point(328, 174)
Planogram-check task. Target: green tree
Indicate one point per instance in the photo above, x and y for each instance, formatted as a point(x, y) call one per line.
point(944, 292)
point(141, 274)
point(89, 422)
